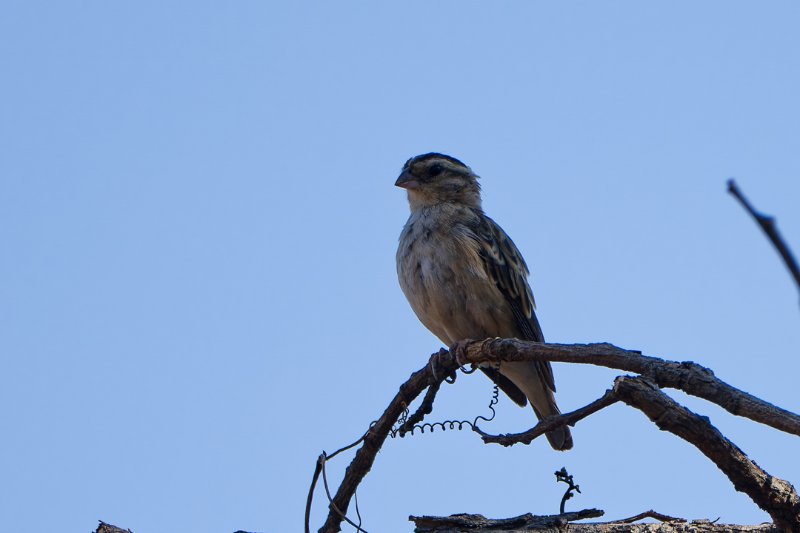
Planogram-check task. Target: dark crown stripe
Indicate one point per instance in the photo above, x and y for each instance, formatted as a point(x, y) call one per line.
point(436, 155)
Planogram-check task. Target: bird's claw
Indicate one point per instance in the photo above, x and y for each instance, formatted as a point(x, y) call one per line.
point(459, 351)
point(435, 361)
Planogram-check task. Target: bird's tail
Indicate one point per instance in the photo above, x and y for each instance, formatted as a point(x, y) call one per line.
point(560, 438)
point(528, 378)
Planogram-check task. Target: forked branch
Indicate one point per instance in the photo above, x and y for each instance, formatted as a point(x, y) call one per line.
point(686, 376)
point(775, 496)
point(441, 365)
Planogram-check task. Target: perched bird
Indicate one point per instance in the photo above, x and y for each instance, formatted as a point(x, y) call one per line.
point(465, 278)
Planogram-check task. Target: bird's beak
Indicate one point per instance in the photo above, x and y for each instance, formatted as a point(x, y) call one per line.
point(407, 181)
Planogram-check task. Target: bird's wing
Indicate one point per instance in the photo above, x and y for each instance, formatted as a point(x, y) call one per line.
point(506, 267)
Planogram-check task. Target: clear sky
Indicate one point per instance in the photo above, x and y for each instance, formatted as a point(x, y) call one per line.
point(198, 224)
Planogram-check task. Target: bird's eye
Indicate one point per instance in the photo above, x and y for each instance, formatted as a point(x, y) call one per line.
point(435, 169)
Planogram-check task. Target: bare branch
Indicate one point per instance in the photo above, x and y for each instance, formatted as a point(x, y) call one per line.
point(441, 365)
point(768, 225)
point(475, 523)
point(776, 496)
point(550, 423)
point(108, 528)
point(310, 498)
point(686, 376)
point(425, 408)
point(651, 514)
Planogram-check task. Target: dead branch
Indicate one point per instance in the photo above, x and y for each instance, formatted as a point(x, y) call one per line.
point(686, 376)
point(651, 514)
point(475, 523)
point(441, 365)
point(425, 408)
point(775, 496)
point(770, 228)
point(108, 528)
point(549, 423)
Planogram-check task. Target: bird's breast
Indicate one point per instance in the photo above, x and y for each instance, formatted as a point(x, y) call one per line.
point(443, 277)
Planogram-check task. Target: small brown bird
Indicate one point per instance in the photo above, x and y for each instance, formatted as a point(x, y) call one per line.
point(465, 278)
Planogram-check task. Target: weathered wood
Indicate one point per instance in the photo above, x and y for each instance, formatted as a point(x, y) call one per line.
point(475, 523)
point(774, 495)
point(549, 423)
point(108, 528)
point(687, 376)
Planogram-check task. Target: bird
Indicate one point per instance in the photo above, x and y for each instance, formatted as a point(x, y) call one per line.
point(465, 278)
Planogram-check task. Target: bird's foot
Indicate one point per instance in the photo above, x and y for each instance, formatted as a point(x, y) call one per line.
point(437, 368)
point(459, 351)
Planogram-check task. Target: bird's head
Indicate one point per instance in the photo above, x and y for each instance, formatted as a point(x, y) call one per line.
point(432, 179)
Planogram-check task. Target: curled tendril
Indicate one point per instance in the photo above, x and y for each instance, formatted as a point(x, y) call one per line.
point(394, 432)
point(446, 424)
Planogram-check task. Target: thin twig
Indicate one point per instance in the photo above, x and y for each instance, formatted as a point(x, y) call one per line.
point(650, 514)
point(345, 448)
point(333, 505)
point(770, 228)
point(358, 511)
point(321, 460)
point(425, 408)
point(310, 498)
point(550, 423)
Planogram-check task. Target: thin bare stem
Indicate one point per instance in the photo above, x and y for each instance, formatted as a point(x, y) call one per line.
point(425, 408)
point(550, 423)
point(650, 514)
point(770, 228)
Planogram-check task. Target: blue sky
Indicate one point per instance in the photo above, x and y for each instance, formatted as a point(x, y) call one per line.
point(199, 223)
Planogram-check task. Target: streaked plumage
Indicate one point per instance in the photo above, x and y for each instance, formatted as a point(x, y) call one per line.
point(465, 278)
